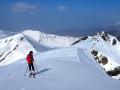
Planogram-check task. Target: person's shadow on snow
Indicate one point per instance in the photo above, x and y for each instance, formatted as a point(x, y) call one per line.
point(43, 70)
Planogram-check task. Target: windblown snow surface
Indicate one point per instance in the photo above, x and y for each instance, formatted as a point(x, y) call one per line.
point(64, 68)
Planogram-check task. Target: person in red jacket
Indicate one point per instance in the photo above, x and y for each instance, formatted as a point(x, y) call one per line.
point(30, 61)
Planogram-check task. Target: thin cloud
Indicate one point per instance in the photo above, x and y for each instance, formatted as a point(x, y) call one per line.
point(23, 7)
point(118, 23)
point(62, 8)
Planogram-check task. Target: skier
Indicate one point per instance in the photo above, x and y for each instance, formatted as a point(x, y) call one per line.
point(30, 61)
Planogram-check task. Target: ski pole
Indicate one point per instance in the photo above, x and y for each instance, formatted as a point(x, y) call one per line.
point(26, 71)
point(36, 66)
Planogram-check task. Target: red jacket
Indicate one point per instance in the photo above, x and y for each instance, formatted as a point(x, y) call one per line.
point(29, 59)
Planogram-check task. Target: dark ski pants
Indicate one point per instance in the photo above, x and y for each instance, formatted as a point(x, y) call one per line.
point(31, 67)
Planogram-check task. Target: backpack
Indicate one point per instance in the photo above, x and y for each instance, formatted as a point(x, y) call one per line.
point(28, 58)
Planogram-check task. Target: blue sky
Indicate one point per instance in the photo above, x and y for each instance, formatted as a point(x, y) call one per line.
point(58, 16)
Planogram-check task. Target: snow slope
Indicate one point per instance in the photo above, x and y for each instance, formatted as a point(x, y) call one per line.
point(14, 48)
point(49, 40)
point(103, 45)
point(67, 68)
point(74, 69)
point(106, 47)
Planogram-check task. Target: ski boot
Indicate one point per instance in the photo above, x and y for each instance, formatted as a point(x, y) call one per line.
point(33, 75)
point(30, 74)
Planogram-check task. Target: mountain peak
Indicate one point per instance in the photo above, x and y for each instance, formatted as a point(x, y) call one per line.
point(14, 48)
point(17, 46)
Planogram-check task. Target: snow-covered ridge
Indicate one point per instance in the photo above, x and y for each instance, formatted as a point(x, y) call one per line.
point(75, 71)
point(105, 49)
point(70, 68)
point(50, 40)
point(14, 48)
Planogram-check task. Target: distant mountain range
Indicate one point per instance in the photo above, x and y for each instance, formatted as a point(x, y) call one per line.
point(111, 29)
